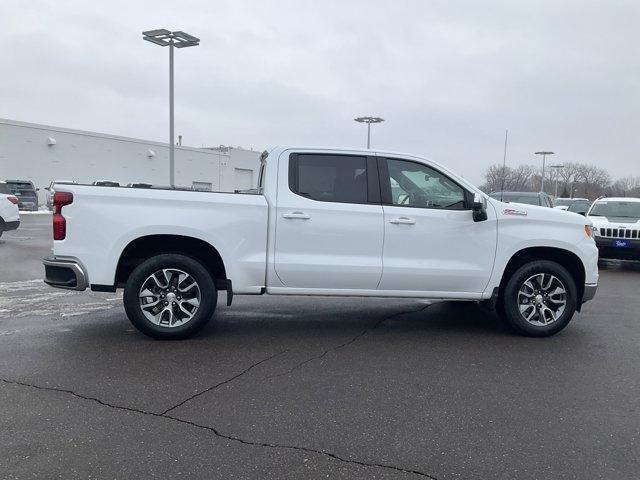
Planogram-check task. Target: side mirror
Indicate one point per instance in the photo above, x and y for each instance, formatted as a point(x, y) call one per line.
point(479, 208)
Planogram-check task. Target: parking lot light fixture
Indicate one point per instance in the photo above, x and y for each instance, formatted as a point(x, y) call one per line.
point(369, 121)
point(178, 39)
point(544, 158)
point(556, 168)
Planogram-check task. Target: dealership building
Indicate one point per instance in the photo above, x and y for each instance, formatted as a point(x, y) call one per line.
point(42, 153)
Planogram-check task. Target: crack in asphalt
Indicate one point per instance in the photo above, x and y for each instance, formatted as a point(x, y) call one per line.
point(218, 433)
point(224, 382)
point(306, 449)
point(348, 342)
point(241, 440)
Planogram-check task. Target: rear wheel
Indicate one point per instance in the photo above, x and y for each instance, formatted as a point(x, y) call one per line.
point(539, 299)
point(170, 296)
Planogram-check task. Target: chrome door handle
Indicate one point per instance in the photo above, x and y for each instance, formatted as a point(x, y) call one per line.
point(296, 215)
point(402, 221)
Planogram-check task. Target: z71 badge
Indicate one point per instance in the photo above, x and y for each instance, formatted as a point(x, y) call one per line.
point(513, 211)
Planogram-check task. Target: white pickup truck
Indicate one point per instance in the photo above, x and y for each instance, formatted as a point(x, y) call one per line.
point(331, 222)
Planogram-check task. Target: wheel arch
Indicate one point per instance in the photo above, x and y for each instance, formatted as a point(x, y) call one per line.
point(569, 260)
point(142, 248)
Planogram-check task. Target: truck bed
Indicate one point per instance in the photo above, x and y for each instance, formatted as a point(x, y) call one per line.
point(102, 221)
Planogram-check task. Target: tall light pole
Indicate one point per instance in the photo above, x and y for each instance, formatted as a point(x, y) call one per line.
point(369, 121)
point(556, 167)
point(177, 39)
point(544, 158)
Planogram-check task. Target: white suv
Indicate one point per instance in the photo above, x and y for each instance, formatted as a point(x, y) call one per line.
point(616, 227)
point(9, 213)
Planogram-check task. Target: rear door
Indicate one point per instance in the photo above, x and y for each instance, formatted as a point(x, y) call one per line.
point(431, 242)
point(329, 226)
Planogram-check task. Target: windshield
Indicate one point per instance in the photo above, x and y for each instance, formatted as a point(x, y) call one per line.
point(4, 188)
point(579, 207)
point(529, 199)
point(616, 209)
point(563, 202)
point(22, 192)
point(20, 185)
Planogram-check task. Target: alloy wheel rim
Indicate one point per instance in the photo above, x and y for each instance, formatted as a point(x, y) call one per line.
point(169, 297)
point(542, 299)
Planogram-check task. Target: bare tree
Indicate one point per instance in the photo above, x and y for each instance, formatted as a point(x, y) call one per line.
point(576, 179)
point(567, 176)
point(499, 178)
point(626, 187)
point(522, 177)
point(494, 178)
point(593, 181)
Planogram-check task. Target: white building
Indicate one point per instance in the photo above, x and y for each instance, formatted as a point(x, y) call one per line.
point(41, 153)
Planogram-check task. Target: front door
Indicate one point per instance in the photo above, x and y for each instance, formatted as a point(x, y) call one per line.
point(329, 226)
point(431, 242)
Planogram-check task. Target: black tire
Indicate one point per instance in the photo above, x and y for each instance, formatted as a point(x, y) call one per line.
point(508, 307)
point(207, 302)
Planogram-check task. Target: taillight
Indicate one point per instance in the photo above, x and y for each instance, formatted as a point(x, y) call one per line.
point(60, 199)
point(13, 199)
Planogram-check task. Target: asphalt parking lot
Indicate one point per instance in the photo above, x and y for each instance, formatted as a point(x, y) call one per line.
point(312, 388)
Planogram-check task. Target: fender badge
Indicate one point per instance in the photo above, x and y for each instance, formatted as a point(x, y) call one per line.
point(513, 211)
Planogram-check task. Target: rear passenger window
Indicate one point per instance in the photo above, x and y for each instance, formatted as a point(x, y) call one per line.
point(329, 178)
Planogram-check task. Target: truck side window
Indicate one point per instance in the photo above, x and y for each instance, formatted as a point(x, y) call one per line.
point(413, 184)
point(329, 178)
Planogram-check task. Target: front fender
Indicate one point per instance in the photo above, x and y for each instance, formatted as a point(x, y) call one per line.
point(517, 235)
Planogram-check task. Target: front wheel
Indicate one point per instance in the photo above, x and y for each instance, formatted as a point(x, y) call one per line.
point(170, 296)
point(539, 299)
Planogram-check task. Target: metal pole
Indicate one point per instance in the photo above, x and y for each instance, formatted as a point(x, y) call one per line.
point(171, 142)
point(368, 136)
point(544, 157)
point(504, 164)
point(556, 183)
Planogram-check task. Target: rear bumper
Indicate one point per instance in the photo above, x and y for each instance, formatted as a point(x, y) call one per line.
point(65, 272)
point(10, 226)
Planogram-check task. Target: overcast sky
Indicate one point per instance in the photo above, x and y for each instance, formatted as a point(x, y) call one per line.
point(448, 76)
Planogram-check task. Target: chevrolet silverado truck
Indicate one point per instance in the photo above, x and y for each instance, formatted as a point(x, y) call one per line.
point(322, 221)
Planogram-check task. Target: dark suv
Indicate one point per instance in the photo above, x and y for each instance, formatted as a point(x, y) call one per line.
point(530, 198)
point(25, 192)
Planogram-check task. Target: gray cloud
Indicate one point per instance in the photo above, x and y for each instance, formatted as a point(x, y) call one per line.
point(449, 76)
